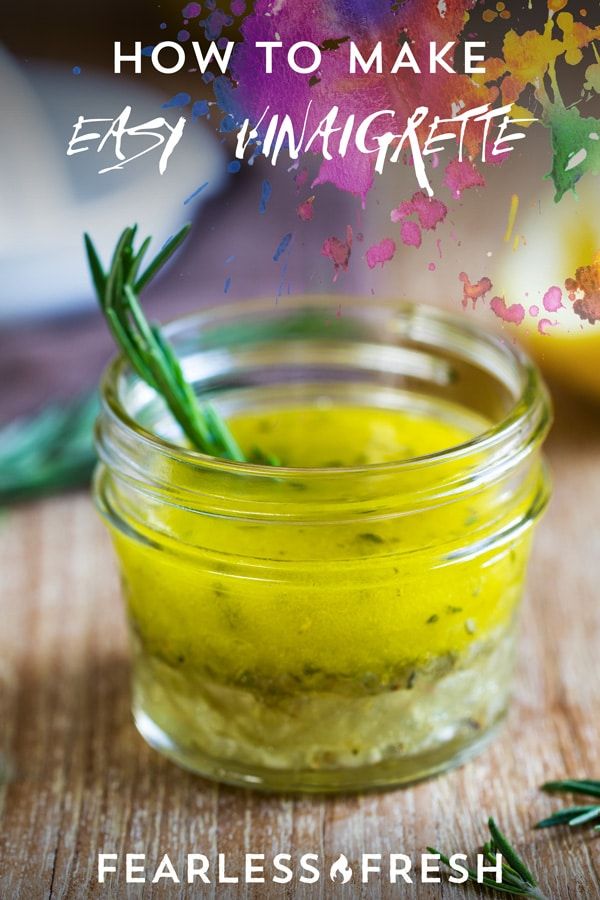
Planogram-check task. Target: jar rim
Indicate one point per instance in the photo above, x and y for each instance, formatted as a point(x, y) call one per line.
point(532, 405)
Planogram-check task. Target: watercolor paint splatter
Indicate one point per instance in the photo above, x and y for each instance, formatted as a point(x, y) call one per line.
point(339, 252)
point(282, 246)
point(474, 291)
point(265, 196)
point(306, 209)
point(544, 43)
point(380, 253)
point(584, 291)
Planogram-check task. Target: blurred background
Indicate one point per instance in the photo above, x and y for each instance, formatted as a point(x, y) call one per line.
point(57, 64)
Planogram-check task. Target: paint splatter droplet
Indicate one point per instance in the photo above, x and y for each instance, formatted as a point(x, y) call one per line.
point(338, 252)
point(195, 194)
point(534, 311)
point(410, 233)
point(515, 313)
point(282, 246)
point(191, 10)
point(430, 212)
point(265, 196)
point(76, 70)
point(544, 325)
point(474, 290)
point(234, 166)
point(200, 108)
point(180, 99)
point(380, 253)
point(306, 210)
point(460, 175)
point(553, 299)
point(584, 291)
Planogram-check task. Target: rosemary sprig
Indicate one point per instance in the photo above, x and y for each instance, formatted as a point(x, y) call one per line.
point(50, 451)
point(145, 346)
point(517, 880)
point(574, 815)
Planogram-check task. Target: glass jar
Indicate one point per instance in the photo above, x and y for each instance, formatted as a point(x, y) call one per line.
point(326, 628)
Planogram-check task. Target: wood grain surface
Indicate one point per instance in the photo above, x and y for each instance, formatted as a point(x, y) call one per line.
point(76, 779)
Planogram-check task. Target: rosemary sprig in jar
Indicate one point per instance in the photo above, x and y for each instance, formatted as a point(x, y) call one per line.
point(146, 348)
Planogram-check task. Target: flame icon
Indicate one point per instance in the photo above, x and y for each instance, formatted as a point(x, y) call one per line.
point(340, 870)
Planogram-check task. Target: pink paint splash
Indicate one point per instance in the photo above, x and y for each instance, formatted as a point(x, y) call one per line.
point(410, 234)
point(338, 252)
point(553, 299)
point(544, 325)
point(430, 212)
point(306, 210)
point(458, 176)
point(534, 310)
point(357, 179)
point(380, 253)
point(515, 313)
point(474, 290)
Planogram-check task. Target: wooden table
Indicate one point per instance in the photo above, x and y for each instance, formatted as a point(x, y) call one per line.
point(77, 779)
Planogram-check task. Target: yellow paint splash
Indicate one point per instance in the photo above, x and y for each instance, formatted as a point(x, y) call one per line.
point(512, 215)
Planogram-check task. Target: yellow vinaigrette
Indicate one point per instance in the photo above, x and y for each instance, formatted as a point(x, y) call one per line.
point(346, 619)
point(254, 650)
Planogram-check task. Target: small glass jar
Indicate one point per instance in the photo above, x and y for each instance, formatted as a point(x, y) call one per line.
point(325, 628)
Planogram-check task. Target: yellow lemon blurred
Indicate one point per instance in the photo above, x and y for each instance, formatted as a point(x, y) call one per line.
point(566, 347)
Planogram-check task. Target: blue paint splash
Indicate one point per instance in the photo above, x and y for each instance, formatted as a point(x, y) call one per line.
point(282, 246)
point(180, 99)
point(76, 70)
point(234, 166)
point(195, 194)
point(227, 284)
point(265, 196)
point(200, 108)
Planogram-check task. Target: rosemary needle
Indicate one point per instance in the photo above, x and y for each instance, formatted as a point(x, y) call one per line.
point(574, 815)
point(145, 346)
point(49, 451)
point(517, 880)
